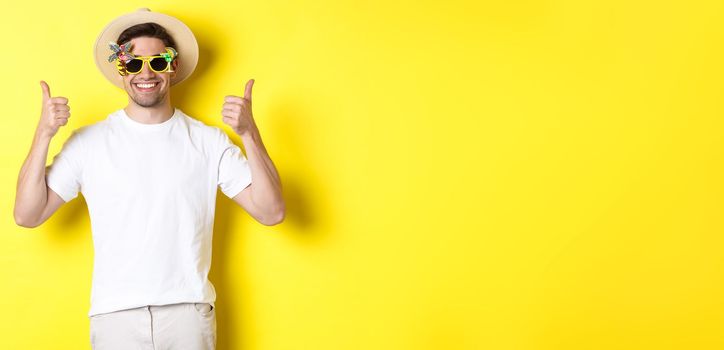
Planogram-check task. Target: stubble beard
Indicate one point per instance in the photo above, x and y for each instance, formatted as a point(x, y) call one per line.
point(146, 100)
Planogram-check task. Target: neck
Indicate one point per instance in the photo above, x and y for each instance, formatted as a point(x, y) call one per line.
point(150, 115)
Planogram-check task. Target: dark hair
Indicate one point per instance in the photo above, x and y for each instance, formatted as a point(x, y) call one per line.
point(150, 29)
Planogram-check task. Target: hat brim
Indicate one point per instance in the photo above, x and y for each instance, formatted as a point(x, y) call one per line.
point(187, 47)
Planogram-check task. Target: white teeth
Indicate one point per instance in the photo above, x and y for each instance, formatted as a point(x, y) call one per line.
point(146, 86)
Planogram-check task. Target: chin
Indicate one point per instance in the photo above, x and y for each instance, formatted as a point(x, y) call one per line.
point(146, 103)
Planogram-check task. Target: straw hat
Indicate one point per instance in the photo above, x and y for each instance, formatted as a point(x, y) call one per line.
point(187, 47)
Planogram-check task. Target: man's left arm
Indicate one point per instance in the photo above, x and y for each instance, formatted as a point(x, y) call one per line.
point(263, 198)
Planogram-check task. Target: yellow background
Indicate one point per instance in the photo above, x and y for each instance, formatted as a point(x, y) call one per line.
point(459, 174)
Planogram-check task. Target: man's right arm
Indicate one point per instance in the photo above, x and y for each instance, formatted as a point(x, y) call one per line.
point(35, 202)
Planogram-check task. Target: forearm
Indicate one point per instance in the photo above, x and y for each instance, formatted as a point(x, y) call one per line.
point(31, 192)
point(266, 189)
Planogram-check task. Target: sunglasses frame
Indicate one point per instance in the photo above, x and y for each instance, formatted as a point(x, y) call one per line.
point(148, 59)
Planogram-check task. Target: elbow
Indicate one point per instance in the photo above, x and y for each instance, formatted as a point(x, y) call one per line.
point(25, 222)
point(274, 219)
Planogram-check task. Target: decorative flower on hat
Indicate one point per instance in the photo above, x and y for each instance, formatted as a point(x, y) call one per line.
point(120, 52)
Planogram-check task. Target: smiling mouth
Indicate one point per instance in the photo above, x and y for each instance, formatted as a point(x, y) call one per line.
point(145, 86)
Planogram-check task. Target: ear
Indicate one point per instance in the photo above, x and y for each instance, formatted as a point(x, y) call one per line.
point(174, 65)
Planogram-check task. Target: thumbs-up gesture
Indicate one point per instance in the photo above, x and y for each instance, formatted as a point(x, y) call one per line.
point(237, 111)
point(55, 112)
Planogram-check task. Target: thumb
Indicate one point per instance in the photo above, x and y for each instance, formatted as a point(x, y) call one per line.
point(247, 90)
point(46, 90)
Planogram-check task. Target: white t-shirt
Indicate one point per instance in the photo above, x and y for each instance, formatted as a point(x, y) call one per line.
point(151, 195)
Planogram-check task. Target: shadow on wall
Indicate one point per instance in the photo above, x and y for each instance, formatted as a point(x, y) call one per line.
point(70, 219)
point(301, 219)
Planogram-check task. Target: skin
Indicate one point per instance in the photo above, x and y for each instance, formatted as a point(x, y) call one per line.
point(35, 202)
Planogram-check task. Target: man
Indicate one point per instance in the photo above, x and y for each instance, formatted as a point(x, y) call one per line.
point(149, 174)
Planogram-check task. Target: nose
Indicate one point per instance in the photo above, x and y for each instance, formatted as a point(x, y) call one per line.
point(146, 71)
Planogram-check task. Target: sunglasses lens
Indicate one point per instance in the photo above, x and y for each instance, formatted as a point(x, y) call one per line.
point(158, 64)
point(134, 66)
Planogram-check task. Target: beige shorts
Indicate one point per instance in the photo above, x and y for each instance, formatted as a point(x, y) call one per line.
point(156, 327)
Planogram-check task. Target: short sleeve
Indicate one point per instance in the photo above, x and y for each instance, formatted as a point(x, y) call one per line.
point(63, 176)
point(234, 170)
